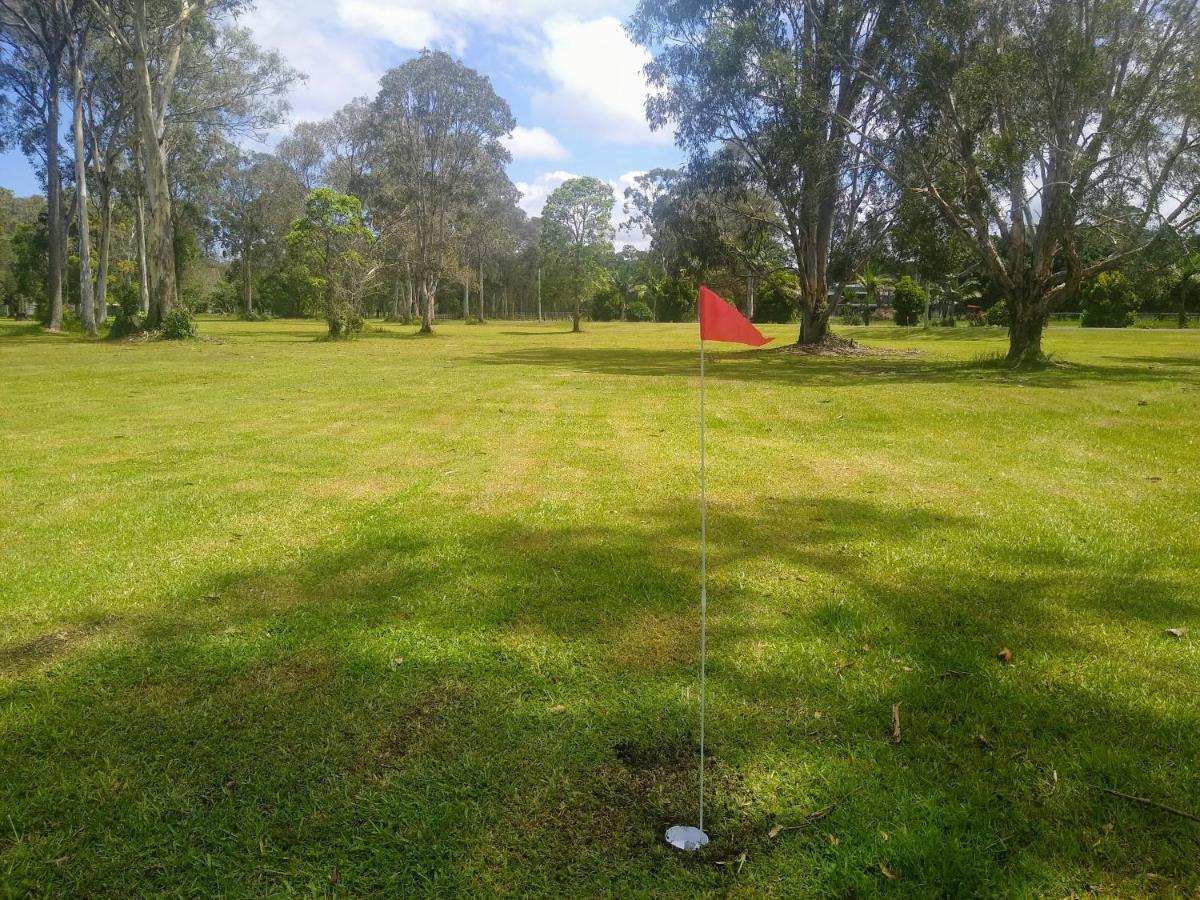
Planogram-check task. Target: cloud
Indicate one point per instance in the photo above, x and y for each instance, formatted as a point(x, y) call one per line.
point(406, 26)
point(311, 41)
point(534, 194)
point(534, 143)
point(598, 82)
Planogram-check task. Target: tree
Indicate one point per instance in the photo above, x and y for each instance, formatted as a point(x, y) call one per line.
point(766, 93)
point(37, 34)
point(872, 281)
point(909, 301)
point(1183, 285)
point(576, 230)
point(438, 126)
point(227, 84)
point(333, 242)
point(1026, 123)
point(1109, 302)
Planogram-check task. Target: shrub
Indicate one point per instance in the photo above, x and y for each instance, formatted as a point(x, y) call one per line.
point(179, 324)
point(999, 314)
point(947, 322)
point(776, 299)
point(909, 301)
point(125, 294)
point(637, 311)
point(1109, 302)
point(606, 305)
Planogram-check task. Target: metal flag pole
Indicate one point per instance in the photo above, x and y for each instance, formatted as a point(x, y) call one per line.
point(692, 837)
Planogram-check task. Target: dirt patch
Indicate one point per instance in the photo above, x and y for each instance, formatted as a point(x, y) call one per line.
point(52, 645)
point(836, 346)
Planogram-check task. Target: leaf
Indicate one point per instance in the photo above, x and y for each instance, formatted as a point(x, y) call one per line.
point(1177, 632)
point(556, 709)
point(888, 873)
point(1005, 656)
point(895, 723)
point(774, 832)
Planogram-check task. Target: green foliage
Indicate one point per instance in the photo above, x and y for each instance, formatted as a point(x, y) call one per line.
point(999, 314)
point(676, 299)
point(776, 298)
point(606, 305)
point(637, 311)
point(1108, 301)
point(124, 293)
point(179, 324)
point(909, 301)
point(330, 242)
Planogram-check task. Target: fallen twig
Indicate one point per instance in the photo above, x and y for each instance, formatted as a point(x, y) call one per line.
point(805, 822)
point(895, 723)
point(1147, 802)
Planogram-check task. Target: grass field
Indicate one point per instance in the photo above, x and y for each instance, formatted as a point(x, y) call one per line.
point(418, 615)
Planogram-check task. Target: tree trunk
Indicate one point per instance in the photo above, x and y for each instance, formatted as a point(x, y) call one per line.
point(539, 293)
point(1025, 333)
point(482, 307)
point(105, 243)
point(160, 236)
point(576, 317)
point(750, 297)
point(247, 283)
point(467, 296)
point(54, 224)
point(143, 274)
point(428, 297)
point(87, 299)
point(814, 312)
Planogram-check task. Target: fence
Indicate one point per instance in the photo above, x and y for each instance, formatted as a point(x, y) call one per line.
point(1161, 318)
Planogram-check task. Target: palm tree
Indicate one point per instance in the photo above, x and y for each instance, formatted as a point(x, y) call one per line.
point(1184, 280)
point(872, 281)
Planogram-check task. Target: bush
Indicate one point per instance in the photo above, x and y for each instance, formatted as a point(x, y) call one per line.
point(909, 301)
point(1109, 302)
point(179, 324)
point(947, 322)
point(999, 314)
point(606, 305)
point(776, 299)
point(637, 311)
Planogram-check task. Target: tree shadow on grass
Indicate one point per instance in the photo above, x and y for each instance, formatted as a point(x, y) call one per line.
point(506, 706)
point(769, 366)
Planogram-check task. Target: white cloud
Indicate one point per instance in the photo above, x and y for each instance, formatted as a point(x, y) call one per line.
point(407, 26)
point(534, 194)
point(534, 143)
point(316, 45)
point(598, 81)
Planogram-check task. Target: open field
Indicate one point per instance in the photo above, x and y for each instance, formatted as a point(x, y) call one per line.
point(418, 615)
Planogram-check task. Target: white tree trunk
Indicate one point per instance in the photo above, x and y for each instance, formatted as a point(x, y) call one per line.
point(87, 300)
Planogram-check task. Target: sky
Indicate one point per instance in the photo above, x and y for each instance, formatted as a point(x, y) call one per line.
point(566, 67)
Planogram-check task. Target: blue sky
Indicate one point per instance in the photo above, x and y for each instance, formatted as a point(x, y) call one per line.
point(565, 66)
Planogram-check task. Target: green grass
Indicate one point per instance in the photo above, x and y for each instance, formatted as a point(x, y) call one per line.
point(418, 615)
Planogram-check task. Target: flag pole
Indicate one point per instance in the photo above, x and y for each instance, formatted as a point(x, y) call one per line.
point(688, 837)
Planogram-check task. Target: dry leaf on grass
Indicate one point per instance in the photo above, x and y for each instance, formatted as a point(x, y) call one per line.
point(1005, 656)
point(895, 723)
point(1177, 632)
point(888, 873)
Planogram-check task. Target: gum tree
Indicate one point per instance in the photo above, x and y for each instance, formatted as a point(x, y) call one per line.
point(577, 232)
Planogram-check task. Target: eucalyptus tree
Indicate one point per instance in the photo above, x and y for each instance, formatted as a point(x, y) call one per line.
point(194, 73)
point(437, 126)
point(334, 243)
point(37, 35)
point(577, 232)
point(777, 87)
point(1028, 123)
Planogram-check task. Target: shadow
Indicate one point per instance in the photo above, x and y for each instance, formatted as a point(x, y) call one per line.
point(771, 366)
point(505, 705)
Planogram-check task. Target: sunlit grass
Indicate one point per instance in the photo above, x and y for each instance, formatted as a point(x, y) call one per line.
point(418, 615)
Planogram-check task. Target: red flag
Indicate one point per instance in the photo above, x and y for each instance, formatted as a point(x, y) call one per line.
point(721, 322)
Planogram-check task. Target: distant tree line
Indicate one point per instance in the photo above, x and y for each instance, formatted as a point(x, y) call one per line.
point(1005, 153)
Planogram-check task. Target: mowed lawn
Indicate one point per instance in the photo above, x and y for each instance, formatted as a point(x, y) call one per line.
point(419, 615)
